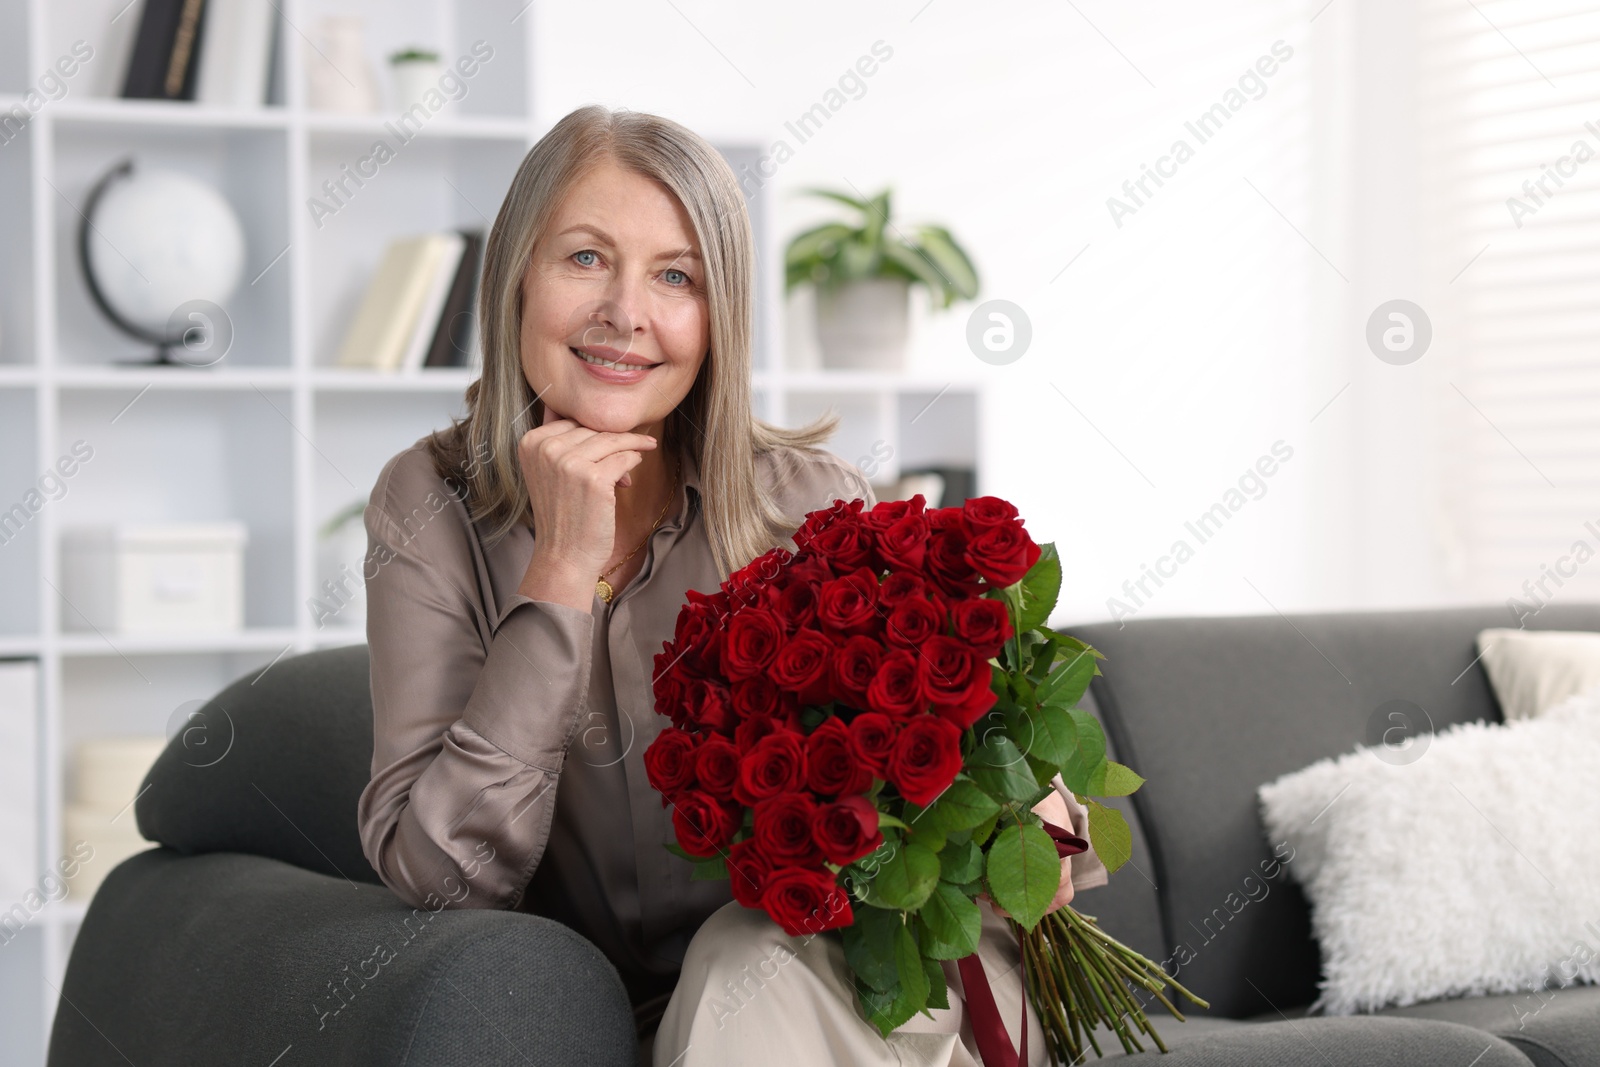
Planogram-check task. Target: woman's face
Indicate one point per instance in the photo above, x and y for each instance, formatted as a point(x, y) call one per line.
point(617, 276)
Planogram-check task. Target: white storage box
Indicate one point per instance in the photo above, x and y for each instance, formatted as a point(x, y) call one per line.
point(154, 578)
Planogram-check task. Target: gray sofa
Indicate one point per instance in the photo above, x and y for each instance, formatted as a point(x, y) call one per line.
point(249, 935)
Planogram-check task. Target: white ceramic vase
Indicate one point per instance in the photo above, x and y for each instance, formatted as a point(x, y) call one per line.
point(338, 76)
point(864, 325)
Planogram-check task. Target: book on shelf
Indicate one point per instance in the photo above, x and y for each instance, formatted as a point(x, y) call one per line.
point(166, 51)
point(235, 53)
point(416, 310)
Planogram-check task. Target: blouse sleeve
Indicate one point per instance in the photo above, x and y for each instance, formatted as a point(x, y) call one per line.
point(468, 741)
point(1088, 870)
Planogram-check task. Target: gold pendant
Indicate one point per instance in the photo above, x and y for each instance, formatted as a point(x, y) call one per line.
point(603, 588)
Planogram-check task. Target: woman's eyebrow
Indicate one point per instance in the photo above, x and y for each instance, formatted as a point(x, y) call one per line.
point(584, 227)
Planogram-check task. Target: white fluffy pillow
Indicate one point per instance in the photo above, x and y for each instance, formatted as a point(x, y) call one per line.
point(1471, 870)
point(1532, 670)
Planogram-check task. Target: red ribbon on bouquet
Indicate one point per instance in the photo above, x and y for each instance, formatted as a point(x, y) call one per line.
point(994, 1044)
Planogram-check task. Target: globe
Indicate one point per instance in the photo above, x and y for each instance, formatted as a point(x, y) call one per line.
point(162, 253)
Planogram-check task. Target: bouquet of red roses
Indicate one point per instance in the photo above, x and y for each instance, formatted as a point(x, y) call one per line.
point(860, 731)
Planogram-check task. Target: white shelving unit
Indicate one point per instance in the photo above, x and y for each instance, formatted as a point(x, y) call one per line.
point(274, 436)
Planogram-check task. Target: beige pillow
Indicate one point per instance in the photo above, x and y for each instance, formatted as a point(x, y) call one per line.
point(1531, 670)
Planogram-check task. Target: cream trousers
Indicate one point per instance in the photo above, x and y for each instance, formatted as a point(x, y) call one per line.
point(751, 994)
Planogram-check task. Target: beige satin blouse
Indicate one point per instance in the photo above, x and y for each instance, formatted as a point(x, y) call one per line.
point(509, 733)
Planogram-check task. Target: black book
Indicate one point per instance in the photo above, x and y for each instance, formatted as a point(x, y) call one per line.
point(166, 51)
point(453, 336)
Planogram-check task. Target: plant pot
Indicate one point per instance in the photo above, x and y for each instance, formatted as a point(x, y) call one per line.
point(864, 325)
point(411, 80)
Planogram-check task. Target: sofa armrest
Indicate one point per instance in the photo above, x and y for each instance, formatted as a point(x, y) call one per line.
point(233, 958)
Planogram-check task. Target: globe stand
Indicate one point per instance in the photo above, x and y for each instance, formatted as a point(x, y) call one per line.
point(165, 343)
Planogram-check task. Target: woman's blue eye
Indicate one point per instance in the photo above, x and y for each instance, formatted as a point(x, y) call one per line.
point(586, 252)
point(686, 279)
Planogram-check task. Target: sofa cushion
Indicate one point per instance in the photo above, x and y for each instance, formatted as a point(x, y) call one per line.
point(1457, 869)
point(1553, 1027)
point(1532, 671)
point(1209, 709)
point(1345, 1041)
point(274, 766)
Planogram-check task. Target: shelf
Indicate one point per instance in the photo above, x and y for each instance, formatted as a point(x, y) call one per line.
point(16, 647)
point(18, 375)
point(438, 126)
point(438, 380)
point(75, 644)
point(116, 111)
point(164, 378)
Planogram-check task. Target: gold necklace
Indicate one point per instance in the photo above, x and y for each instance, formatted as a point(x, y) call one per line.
point(603, 587)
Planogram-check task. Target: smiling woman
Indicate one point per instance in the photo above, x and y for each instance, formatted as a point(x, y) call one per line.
point(610, 463)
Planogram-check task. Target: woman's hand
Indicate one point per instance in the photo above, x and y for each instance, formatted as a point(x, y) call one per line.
point(572, 474)
point(1052, 809)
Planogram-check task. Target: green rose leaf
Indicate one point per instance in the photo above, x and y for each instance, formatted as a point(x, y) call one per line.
point(869, 945)
point(954, 921)
point(938, 991)
point(998, 768)
point(961, 807)
point(1109, 834)
point(1055, 736)
point(1040, 586)
point(711, 870)
point(1117, 781)
point(960, 863)
point(905, 879)
point(912, 995)
point(1024, 872)
point(1067, 681)
point(1086, 765)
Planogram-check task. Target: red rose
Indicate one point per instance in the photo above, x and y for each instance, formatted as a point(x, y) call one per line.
point(903, 545)
point(671, 686)
point(897, 690)
point(802, 667)
point(797, 604)
point(698, 633)
point(703, 823)
point(747, 873)
point(900, 587)
point(756, 695)
point(1002, 554)
point(855, 664)
point(889, 512)
point(914, 621)
point(947, 564)
point(984, 624)
point(845, 542)
point(956, 679)
point(847, 829)
point(753, 583)
point(710, 706)
point(980, 512)
point(716, 765)
point(873, 736)
point(927, 758)
point(669, 762)
point(775, 764)
point(809, 569)
point(783, 829)
point(754, 637)
point(848, 605)
point(805, 900)
point(823, 518)
point(832, 767)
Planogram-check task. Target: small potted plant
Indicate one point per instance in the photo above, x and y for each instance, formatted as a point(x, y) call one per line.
point(863, 272)
point(413, 71)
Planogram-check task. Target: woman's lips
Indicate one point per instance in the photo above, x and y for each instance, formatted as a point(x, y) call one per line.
point(615, 375)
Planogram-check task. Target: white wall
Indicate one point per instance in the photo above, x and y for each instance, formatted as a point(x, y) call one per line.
point(1221, 317)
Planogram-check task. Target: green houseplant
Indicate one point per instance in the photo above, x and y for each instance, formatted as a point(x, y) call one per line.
point(863, 271)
